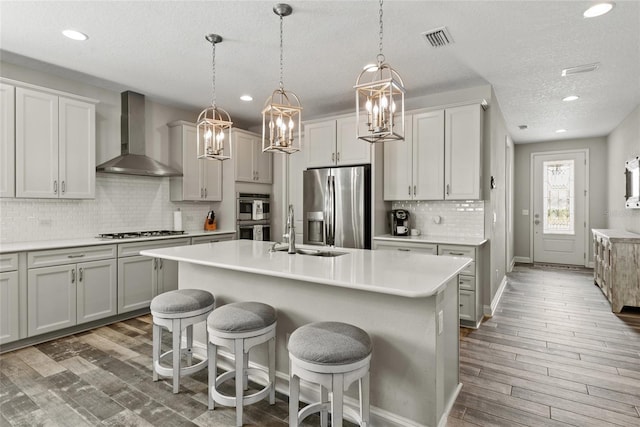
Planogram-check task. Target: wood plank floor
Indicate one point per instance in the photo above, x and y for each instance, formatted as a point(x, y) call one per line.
point(553, 355)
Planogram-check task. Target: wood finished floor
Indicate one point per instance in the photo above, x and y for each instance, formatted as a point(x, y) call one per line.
point(553, 355)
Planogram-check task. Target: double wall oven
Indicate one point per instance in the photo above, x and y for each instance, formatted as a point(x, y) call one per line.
point(253, 216)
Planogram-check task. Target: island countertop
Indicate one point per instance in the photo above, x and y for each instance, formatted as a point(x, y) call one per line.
point(412, 275)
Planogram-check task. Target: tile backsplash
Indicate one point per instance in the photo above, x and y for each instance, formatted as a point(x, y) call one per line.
point(122, 203)
point(456, 218)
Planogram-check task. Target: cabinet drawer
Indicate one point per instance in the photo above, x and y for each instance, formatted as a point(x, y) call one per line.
point(133, 249)
point(468, 306)
point(212, 239)
point(467, 282)
point(8, 262)
point(70, 255)
point(463, 251)
point(408, 247)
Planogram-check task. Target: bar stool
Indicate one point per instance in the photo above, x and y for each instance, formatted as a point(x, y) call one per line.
point(176, 311)
point(333, 355)
point(239, 327)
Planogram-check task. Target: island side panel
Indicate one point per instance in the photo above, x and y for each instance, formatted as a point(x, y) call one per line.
point(406, 362)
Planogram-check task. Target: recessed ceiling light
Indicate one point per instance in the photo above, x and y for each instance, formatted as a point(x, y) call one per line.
point(598, 10)
point(570, 98)
point(246, 98)
point(561, 131)
point(75, 35)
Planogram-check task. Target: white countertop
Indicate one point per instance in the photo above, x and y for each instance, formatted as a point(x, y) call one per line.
point(446, 240)
point(617, 235)
point(94, 241)
point(412, 275)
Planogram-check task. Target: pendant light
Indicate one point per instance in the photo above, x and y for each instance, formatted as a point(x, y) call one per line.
point(281, 116)
point(379, 100)
point(214, 122)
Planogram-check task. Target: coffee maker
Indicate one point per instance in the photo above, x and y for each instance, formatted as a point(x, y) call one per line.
point(399, 222)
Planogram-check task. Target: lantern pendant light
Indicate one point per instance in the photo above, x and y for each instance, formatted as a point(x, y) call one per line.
point(281, 116)
point(214, 123)
point(379, 100)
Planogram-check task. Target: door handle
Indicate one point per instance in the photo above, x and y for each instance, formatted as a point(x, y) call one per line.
point(80, 274)
point(55, 186)
point(536, 222)
point(73, 276)
point(64, 187)
point(447, 191)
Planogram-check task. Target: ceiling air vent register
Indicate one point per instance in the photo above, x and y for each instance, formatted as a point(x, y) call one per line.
point(438, 37)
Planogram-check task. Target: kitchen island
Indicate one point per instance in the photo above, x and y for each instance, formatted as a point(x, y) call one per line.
point(408, 303)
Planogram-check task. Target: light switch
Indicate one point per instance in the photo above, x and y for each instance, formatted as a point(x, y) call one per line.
point(525, 212)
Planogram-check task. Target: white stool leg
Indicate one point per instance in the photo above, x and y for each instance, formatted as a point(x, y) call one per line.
point(239, 355)
point(294, 396)
point(272, 371)
point(189, 345)
point(157, 348)
point(364, 399)
point(245, 379)
point(336, 400)
point(211, 355)
point(324, 414)
point(177, 342)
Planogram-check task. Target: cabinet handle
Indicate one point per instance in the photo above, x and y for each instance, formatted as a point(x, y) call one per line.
point(333, 157)
point(80, 274)
point(414, 190)
point(461, 305)
point(404, 249)
point(64, 187)
point(75, 256)
point(55, 186)
point(73, 276)
point(201, 193)
point(338, 156)
point(409, 190)
point(155, 263)
point(205, 193)
point(447, 189)
point(456, 253)
point(160, 263)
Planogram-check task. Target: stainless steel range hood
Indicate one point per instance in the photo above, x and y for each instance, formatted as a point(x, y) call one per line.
point(133, 160)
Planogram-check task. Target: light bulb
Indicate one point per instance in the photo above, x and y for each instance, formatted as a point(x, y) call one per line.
point(207, 135)
point(279, 121)
point(383, 102)
point(393, 107)
point(368, 105)
point(290, 123)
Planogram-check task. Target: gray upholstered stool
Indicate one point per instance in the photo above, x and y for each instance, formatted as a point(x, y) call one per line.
point(239, 327)
point(333, 355)
point(176, 311)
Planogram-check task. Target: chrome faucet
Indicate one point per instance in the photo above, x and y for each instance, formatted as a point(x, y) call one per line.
point(290, 235)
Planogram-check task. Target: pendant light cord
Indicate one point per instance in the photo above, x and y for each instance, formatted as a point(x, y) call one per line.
point(213, 80)
point(281, 56)
point(380, 55)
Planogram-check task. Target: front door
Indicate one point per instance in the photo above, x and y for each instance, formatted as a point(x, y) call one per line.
point(559, 207)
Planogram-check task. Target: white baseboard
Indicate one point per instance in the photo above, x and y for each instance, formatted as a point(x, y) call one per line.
point(591, 264)
point(512, 264)
point(309, 393)
point(489, 310)
point(522, 259)
point(450, 403)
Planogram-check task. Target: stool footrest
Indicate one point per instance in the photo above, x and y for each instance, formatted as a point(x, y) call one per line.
point(226, 400)
point(166, 371)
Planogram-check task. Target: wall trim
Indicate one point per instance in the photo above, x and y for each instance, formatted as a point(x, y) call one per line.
point(522, 259)
point(489, 310)
point(512, 264)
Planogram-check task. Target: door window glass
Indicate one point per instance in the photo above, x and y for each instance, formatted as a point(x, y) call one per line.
point(558, 197)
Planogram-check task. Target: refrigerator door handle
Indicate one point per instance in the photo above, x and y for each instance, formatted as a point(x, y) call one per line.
point(333, 208)
point(327, 213)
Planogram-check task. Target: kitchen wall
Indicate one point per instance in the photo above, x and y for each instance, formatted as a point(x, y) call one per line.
point(457, 218)
point(598, 187)
point(622, 144)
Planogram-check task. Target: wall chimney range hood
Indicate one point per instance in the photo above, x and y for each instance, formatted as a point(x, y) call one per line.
point(133, 160)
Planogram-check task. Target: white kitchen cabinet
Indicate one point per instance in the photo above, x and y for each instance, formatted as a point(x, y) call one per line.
point(63, 292)
point(440, 159)
point(251, 164)
point(202, 178)
point(7, 141)
point(334, 143)
point(213, 238)
point(55, 145)
point(463, 152)
point(141, 278)
point(9, 299)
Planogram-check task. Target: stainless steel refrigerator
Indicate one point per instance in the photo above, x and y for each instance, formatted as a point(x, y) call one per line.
point(337, 207)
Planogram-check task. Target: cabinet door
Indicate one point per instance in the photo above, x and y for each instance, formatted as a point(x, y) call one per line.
point(7, 142)
point(9, 307)
point(350, 149)
point(51, 298)
point(463, 152)
point(211, 179)
point(428, 155)
point(137, 282)
point(167, 275)
point(76, 153)
point(398, 175)
point(468, 306)
point(243, 156)
point(320, 144)
point(97, 290)
point(36, 144)
point(263, 164)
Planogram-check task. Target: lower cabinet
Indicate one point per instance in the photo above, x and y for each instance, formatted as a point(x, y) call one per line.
point(62, 292)
point(141, 278)
point(407, 247)
point(9, 299)
point(213, 238)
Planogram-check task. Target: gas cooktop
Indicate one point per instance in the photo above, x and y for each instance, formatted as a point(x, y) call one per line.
point(135, 234)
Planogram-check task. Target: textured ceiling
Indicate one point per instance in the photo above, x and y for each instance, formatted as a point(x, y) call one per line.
point(519, 47)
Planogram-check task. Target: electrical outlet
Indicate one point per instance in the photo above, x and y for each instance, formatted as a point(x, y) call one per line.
point(440, 321)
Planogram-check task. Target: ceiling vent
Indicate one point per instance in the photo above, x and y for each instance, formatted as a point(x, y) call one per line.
point(580, 69)
point(438, 37)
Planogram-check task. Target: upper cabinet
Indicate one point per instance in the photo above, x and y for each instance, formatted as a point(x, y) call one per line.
point(251, 164)
point(202, 178)
point(55, 145)
point(334, 143)
point(440, 159)
point(7, 140)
